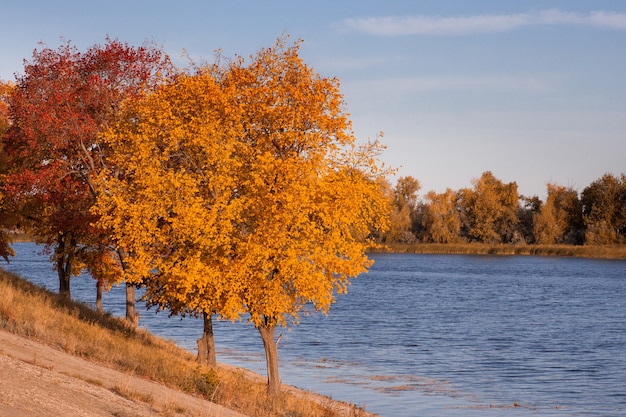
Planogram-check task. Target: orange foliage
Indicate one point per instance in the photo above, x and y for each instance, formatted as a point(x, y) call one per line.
point(244, 191)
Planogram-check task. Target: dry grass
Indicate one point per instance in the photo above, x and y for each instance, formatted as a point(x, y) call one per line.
point(601, 252)
point(31, 311)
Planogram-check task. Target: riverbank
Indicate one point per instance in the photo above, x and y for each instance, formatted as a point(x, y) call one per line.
point(58, 357)
point(38, 379)
point(581, 251)
point(597, 252)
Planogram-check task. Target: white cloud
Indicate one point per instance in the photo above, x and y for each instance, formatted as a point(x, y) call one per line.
point(485, 23)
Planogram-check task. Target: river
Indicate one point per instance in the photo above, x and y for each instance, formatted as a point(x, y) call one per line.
point(436, 335)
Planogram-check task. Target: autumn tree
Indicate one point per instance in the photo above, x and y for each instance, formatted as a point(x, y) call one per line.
point(176, 207)
point(559, 219)
point(604, 210)
point(303, 244)
point(404, 203)
point(5, 215)
point(244, 192)
point(527, 211)
point(440, 218)
point(64, 99)
point(5, 91)
point(489, 210)
point(312, 194)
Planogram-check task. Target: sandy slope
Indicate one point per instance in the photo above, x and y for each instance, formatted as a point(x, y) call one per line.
point(38, 380)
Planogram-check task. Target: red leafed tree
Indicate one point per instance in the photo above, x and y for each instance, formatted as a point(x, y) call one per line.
point(61, 103)
point(5, 216)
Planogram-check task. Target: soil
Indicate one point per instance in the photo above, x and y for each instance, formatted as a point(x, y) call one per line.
point(38, 380)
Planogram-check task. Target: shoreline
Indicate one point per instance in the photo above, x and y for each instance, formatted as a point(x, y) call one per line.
point(43, 377)
point(617, 252)
point(83, 353)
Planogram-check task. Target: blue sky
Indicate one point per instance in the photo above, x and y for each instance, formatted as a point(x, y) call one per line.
point(533, 91)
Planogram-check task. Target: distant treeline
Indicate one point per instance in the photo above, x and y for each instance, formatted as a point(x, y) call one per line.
point(493, 212)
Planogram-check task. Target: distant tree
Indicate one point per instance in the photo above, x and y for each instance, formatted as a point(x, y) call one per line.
point(404, 197)
point(528, 208)
point(489, 210)
point(406, 192)
point(560, 219)
point(604, 210)
point(441, 220)
point(60, 105)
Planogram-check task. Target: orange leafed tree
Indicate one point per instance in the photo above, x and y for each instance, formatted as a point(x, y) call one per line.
point(559, 220)
point(604, 210)
point(488, 211)
point(312, 196)
point(404, 197)
point(248, 195)
point(5, 91)
point(176, 207)
point(441, 219)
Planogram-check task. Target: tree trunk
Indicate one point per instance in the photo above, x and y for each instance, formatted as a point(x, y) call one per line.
point(64, 279)
point(271, 357)
point(99, 285)
point(131, 315)
point(206, 344)
point(63, 261)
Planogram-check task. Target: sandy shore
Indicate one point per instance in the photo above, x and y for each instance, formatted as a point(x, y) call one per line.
point(38, 380)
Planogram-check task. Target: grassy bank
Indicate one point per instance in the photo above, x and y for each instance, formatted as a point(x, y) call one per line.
point(601, 252)
point(33, 312)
